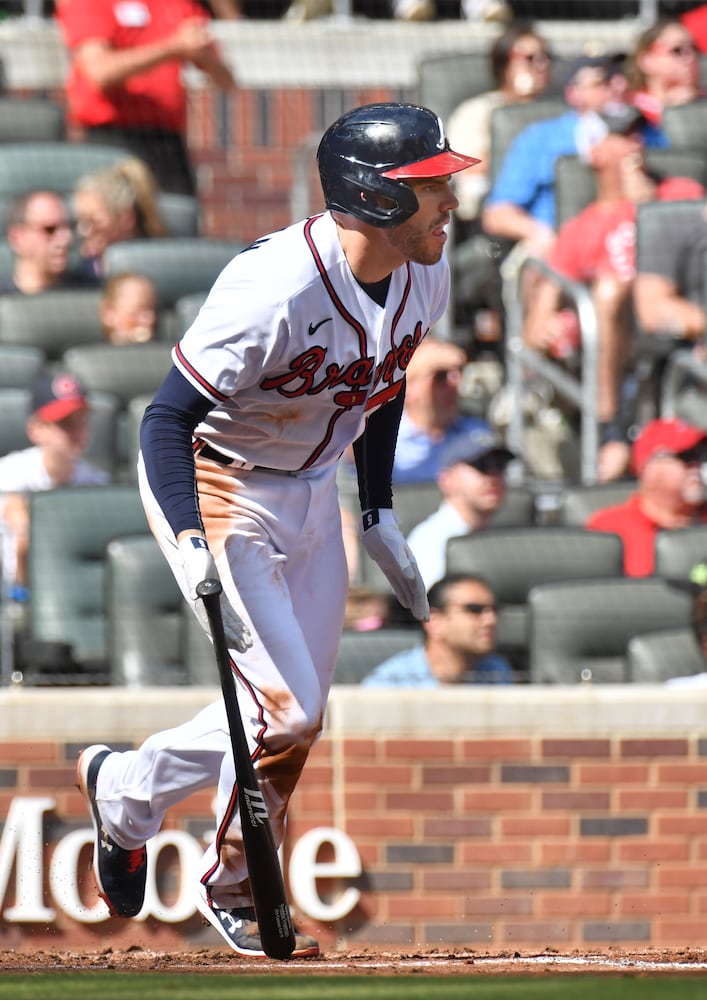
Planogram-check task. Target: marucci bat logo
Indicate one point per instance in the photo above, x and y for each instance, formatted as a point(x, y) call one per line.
point(255, 804)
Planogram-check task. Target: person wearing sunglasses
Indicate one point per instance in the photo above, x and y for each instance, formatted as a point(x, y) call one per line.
point(459, 641)
point(472, 480)
point(40, 236)
point(668, 457)
point(663, 70)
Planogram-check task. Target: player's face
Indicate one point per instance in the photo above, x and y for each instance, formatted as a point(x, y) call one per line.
point(421, 239)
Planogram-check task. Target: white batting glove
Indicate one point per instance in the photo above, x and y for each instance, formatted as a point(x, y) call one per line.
point(199, 565)
point(384, 541)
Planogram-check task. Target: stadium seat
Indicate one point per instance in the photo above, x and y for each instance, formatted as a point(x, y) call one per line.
point(54, 165)
point(361, 652)
point(657, 657)
point(447, 79)
point(514, 560)
point(181, 213)
point(31, 119)
point(678, 550)
point(20, 364)
point(52, 321)
point(14, 408)
point(143, 614)
point(577, 502)
point(686, 125)
point(70, 528)
point(509, 120)
point(123, 371)
point(580, 629)
point(177, 267)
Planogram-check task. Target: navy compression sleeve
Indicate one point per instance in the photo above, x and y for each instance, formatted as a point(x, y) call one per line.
point(166, 444)
point(374, 452)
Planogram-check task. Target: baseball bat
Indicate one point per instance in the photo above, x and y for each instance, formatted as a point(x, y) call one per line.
point(266, 882)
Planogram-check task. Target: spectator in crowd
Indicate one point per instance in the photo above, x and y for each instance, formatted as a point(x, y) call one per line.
point(117, 203)
point(521, 204)
point(58, 431)
point(663, 69)
point(472, 480)
point(520, 68)
point(432, 415)
point(40, 236)
point(669, 287)
point(128, 308)
point(667, 457)
point(125, 78)
point(459, 645)
point(597, 248)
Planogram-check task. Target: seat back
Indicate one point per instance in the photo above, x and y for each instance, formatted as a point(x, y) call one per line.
point(509, 120)
point(14, 410)
point(578, 502)
point(70, 528)
point(514, 560)
point(686, 125)
point(20, 364)
point(176, 266)
point(657, 657)
point(31, 119)
point(361, 652)
point(444, 81)
point(143, 614)
point(580, 630)
point(53, 165)
point(51, 321)
point(124, 372)
point(181, 213)
point(678, 550)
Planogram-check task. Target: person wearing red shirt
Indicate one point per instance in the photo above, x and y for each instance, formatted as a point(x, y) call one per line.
point(667, 458)
point(124, 84)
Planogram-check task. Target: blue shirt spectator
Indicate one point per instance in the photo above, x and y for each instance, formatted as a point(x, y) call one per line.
point(460, 639)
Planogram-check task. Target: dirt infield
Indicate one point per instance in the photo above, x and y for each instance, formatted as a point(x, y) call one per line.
point(367, 961)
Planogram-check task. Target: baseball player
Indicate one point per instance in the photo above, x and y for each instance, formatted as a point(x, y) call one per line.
point(299, 350)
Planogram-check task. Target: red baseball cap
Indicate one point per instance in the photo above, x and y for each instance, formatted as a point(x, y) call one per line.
point(668, 436)
point(57, 396)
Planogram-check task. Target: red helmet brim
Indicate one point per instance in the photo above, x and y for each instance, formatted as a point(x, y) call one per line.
point(440, 165)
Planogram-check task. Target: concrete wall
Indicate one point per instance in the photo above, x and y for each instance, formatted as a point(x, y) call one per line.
point(521, 817)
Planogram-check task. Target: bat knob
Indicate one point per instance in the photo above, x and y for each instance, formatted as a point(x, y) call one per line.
point(208, 588)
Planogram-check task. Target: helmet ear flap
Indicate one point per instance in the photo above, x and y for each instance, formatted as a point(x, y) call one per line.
point(375, 191)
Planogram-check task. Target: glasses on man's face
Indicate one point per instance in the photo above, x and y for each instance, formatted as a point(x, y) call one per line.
point(490, 465)
point(537, 59)
point(442, 376)
point(693, 456)
point(474, 608)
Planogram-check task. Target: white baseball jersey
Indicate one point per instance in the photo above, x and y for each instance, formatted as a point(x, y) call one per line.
point(287, 324)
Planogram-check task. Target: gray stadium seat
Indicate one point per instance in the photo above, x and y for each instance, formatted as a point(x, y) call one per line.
point(143, 614)
point(14, 408)
point(445, 80)
point(578, 502)
point(514, 560)
point(181, 213)
point(655, 658)
point(586, 625)
point(176, 266)
point(509, 120)
point(51, 321)
point(361, 652)
point(56, 165)
point(686, 125)
point(20, 364)
point(31, 119)
point(124, 372)
point(678, 550)
point(70, 528)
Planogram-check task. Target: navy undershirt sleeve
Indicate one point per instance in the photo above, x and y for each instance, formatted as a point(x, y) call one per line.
point(374, 452)
point(166, 443)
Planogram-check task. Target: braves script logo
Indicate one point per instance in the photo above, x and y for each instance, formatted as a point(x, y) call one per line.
point(308, 375)
point(255, 804)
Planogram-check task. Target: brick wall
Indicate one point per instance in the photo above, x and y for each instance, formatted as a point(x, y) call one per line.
point(562, 818)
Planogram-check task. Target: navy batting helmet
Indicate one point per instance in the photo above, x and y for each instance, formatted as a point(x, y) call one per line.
point(366, 156)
